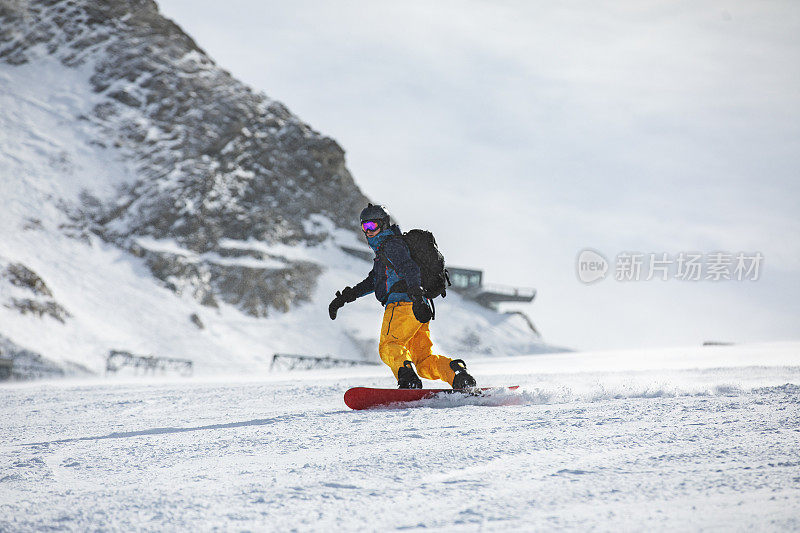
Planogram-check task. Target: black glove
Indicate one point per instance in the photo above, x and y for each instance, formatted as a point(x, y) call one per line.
point(348, 294)
point(419, 305)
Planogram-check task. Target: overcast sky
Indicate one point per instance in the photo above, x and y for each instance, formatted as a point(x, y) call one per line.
point(524, 132)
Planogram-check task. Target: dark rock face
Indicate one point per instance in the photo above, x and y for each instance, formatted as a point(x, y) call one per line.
point(38, 308)
point(38, 299)
point(21, 276)
point(215, 160)
point(255, 290)
point(26, 364)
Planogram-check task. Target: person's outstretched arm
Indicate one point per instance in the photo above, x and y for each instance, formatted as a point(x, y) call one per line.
point(349, 294)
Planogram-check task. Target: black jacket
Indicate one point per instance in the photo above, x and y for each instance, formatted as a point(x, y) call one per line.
point(392, 264)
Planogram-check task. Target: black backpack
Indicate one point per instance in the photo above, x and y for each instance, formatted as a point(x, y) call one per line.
point(423, 250)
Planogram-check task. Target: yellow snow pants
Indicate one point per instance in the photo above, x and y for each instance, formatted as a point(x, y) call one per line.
point(404, 338)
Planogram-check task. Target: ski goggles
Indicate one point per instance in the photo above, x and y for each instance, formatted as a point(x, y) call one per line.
point(370, 225)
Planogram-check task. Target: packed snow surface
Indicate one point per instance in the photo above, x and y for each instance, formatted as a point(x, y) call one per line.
point(672, 439)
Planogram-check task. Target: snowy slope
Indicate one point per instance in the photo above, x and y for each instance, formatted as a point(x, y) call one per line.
point(150, 234)
point(681, 439)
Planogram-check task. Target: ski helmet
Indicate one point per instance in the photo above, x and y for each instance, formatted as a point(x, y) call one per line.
point(376, 212)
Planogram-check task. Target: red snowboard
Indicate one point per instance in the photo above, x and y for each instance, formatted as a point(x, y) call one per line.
point(365, 398)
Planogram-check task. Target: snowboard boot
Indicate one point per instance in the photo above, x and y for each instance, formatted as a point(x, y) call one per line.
point(462, 380)
point(407, 378)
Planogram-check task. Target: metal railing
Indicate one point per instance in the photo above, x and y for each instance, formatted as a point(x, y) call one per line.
point(118, 360)
point(288, 361)
point(507, 290)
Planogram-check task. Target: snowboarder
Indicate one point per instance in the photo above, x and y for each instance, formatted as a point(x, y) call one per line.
point(405, 335)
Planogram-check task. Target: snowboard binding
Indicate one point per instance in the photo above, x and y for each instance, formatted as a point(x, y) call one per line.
point(407, 378)
point(462, 379)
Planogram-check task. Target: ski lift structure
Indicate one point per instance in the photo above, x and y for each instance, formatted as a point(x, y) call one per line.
point(469, 283)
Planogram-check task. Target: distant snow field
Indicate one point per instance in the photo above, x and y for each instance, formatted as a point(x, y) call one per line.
point(673, 439)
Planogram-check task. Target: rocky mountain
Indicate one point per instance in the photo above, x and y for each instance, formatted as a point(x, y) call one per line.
point(215, 161)
point(132, 161)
